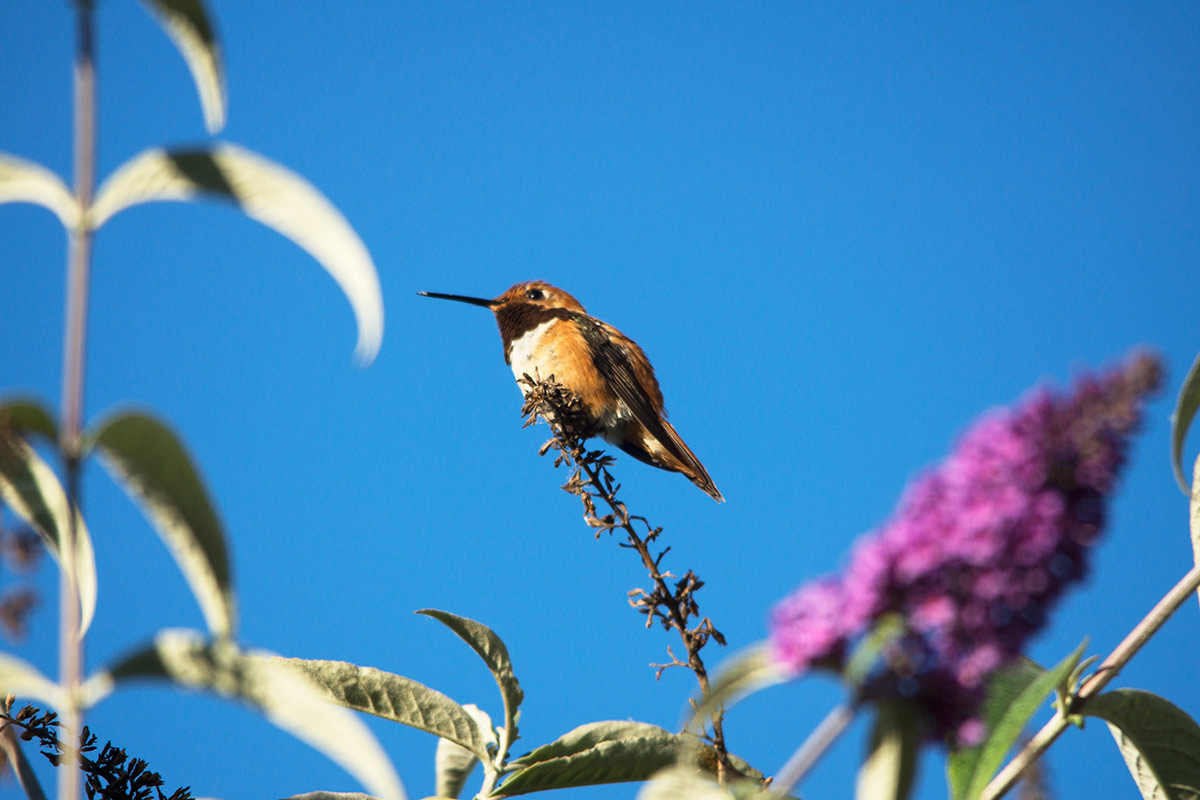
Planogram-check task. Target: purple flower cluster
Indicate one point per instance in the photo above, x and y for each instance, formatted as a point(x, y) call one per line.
point(977, 552)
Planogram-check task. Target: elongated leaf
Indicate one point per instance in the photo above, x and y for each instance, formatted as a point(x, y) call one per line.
point(590, 748)
point(145, 457)
point(865, 656)
point(26, 415)
point(269, 193)
point(273, 688)
point(373, 691)
point(484, 722)
point(588, 736)
point(1160, 743)
point(739, 675)
point(1004, 688)
point(187, 23)
point(602, 752)
point(31, 489)
point(487, 644)
point(23, 181)
point(453, 764)
point(684, 783)
point(1181, 420)
point(332, 796)
point(1014, 696)
point(680, 783)
point(1195, 514)
point(891, 763)
point(22, 679)
point(22, 770)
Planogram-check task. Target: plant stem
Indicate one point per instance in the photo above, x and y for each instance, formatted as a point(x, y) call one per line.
point(74, 341)
point(559, 407)
point(807, 755)
point(1108, 670)
point(691, 642)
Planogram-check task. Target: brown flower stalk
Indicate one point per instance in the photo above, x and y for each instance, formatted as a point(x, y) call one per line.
point(672, 605)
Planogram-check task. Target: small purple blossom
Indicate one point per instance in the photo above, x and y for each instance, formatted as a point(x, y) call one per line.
point(978, 550)
point(820, 606)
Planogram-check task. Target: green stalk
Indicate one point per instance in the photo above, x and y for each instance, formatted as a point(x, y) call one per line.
point(1107, 670)
point(74, 341)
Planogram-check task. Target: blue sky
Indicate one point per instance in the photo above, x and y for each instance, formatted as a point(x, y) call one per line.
point(840, 232)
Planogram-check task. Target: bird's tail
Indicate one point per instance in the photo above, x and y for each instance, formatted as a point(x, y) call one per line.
point(695, 472)
point(668, 451)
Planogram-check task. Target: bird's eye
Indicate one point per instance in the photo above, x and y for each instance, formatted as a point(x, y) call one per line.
point(535, 294)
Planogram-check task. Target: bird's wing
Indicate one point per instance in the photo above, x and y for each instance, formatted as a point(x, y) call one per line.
point(610, 353)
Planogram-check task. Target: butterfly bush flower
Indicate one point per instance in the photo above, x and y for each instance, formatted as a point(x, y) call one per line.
point(977, 552)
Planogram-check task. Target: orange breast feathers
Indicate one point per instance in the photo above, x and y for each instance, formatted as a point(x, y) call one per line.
point(565, 354)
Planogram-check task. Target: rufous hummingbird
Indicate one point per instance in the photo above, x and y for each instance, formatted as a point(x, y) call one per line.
point(546, 332)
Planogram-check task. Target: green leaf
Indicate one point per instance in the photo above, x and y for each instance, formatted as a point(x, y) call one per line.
point(610, 752)
point(31, 489)
point(484, 723)
point(146, 458)
point(1160, 743)
point(24, 181)
point(22, 679)
point(685, 783)
point(601, 752)
point(267, 192)
point(1181, 420)
point(22, 769)
point(275, 689)
point(393, 697)
point(891, 763)
point(1195, 514)
point(187, 24)
point(884, 632)
point(1015, 693)
point(738, 675)
point(681, 783)
point(1004, 687)
point(453, 764)
point(26, 415)
point(487, 644)
point(588, 736)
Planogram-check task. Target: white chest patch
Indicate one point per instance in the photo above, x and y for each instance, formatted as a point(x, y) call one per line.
point(527, 356)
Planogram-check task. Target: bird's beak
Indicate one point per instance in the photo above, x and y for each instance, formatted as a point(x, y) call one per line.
point(475, 301)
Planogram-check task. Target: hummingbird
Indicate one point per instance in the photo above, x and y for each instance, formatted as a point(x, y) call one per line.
point(545, 331)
